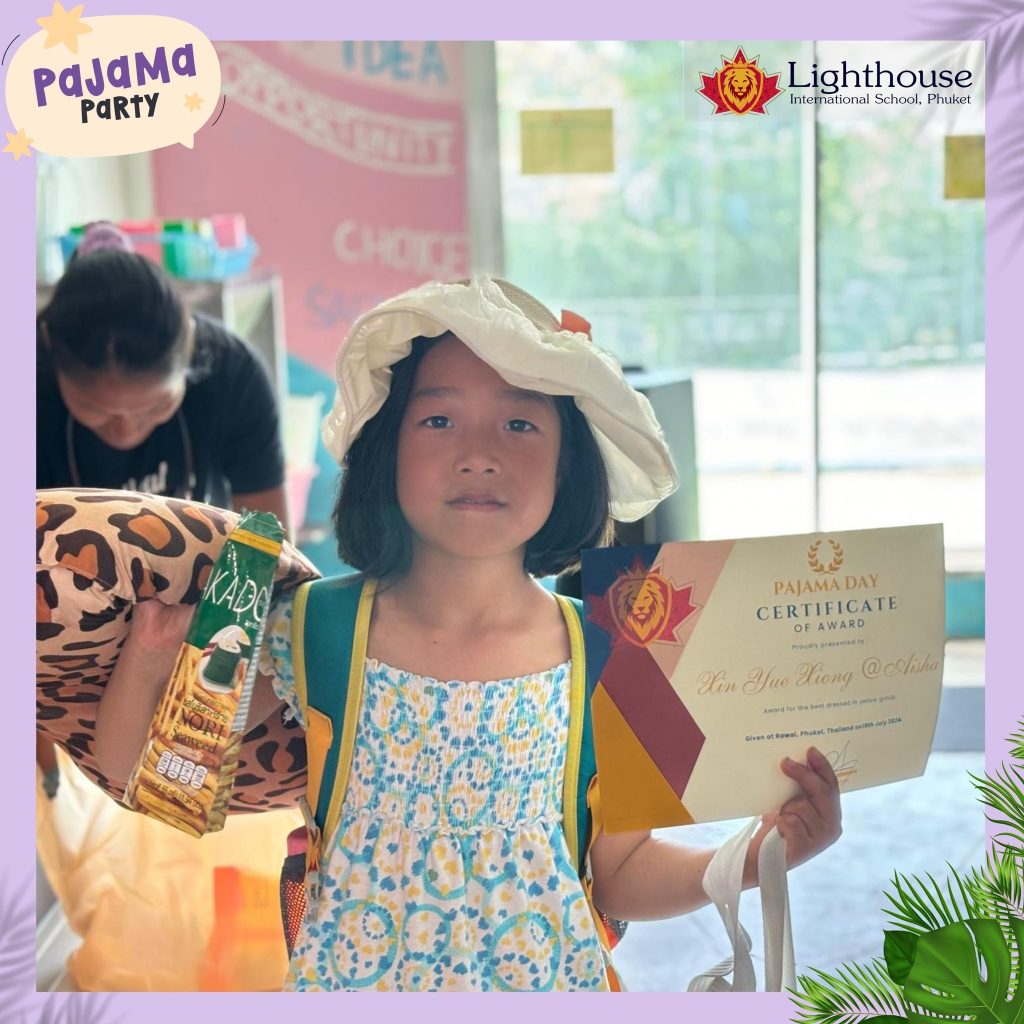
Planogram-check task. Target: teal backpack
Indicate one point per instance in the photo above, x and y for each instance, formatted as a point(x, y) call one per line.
point(330, 626)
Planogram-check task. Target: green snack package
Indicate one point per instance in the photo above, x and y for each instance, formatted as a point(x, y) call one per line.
point(188, 763)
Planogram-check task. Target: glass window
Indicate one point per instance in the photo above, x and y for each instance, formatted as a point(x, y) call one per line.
point(901, 334)
point(687, 256)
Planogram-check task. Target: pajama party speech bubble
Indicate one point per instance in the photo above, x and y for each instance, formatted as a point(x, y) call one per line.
point(112, 85)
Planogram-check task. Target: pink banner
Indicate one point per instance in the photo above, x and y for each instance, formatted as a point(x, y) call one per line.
point(348, 162)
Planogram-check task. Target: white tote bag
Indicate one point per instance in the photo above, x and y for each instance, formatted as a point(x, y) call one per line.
point(723, 882)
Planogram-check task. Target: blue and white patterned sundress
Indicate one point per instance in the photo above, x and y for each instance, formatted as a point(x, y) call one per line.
point(450, 869)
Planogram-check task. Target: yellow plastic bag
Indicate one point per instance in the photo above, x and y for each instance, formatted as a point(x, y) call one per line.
point(156, 909)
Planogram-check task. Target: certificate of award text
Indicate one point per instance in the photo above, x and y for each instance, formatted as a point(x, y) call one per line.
point(708, 662)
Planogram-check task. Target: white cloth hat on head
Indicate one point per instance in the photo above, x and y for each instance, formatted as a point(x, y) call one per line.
point(521, 339)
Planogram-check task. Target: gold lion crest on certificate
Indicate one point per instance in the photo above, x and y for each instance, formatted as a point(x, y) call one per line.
point(642, 606)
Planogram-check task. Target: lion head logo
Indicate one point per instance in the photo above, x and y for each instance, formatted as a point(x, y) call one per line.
point(739, 86)
point(640, 606)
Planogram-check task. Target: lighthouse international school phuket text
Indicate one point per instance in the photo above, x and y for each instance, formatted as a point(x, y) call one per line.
point(904, 87)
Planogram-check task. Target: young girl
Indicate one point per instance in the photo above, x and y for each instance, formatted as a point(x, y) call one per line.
point(469, 473)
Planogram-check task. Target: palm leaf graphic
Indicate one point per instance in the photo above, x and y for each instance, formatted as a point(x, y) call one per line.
point(956, 953)
point(75, 1008)
point(1016, 739)
point(17, 947)
point(999, 22)
point(921, 906)
point(1003, 794)
point(855, 994)
point(19, 1003)
point(946, 982)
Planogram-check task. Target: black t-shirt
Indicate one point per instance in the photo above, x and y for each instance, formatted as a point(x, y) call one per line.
point(228, 418)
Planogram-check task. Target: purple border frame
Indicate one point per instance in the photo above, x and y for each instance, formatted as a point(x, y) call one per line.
point(539, 19)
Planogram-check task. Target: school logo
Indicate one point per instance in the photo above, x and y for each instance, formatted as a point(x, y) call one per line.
point(834, 556)
point(739, 86)
point(641, 606)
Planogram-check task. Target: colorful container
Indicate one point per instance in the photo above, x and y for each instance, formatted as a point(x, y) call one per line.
point(185, 249)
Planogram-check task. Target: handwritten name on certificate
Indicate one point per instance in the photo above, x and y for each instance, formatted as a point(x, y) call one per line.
point(708, 662)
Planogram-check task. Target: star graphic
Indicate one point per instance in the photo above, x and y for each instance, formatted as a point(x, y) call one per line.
point(63, 26)
point(193, 102)
point(17, 145)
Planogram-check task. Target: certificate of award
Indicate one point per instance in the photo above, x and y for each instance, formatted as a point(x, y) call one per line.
point(708, 662)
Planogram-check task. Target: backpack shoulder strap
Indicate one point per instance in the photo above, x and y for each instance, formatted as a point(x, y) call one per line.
point(581, 798)
point(580, 763)
point(331, 621)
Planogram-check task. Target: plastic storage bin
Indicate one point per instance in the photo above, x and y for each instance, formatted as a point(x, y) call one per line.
point(186, 256)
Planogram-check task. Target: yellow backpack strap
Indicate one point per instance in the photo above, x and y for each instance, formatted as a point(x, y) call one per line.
point(353, 702)
point(318, 735)
point(319, 732)
point(577, 805)
point(300, 599)
point(577, 698)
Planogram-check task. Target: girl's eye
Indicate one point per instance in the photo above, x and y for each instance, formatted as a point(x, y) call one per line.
point(520, 426)
point(437, 422)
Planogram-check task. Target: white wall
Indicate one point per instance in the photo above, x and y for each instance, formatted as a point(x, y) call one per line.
point(74, 191)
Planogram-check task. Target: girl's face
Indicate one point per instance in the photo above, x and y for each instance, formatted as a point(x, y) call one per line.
point(477, 458)
point(122, 411)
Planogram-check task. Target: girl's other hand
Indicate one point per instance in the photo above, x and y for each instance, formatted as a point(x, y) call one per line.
point(809, 822)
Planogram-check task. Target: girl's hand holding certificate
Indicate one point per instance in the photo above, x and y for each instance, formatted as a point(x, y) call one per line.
point(640, 877)
point(810, 822)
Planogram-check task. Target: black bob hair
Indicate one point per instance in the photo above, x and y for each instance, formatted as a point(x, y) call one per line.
point(114, 311)
point(373, 535)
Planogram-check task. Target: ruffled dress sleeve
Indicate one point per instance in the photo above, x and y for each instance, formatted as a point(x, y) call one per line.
point(276, 654)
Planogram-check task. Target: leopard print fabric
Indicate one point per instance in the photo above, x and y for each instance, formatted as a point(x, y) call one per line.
point(97, 554)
